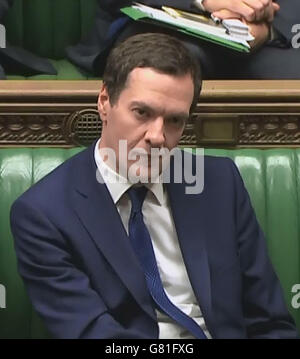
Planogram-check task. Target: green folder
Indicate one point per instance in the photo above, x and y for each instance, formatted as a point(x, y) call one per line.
point(139, 15)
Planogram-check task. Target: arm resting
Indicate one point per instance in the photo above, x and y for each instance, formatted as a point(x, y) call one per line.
point(60, 292)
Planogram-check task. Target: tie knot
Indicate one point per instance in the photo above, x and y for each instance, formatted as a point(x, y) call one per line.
point(137, 196)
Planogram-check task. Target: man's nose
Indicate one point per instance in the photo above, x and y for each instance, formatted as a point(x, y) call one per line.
point(156, 132)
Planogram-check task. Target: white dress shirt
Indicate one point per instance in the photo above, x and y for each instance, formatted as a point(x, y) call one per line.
point(159, 222)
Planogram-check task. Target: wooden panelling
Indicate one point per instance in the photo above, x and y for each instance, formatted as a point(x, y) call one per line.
point(229, 114)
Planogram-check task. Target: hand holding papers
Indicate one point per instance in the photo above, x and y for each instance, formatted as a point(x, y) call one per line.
point(231, 33)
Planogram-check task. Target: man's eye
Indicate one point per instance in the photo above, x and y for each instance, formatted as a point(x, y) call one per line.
point(175, 121)
point(140, 112)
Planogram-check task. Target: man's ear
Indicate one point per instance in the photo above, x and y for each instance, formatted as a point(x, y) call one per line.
point(103, 103)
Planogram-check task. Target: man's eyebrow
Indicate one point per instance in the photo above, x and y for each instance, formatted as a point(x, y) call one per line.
point(142, 104)
point(181, 115)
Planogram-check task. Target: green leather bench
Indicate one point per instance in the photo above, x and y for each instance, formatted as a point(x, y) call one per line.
point(271, 176)
point(47, 27)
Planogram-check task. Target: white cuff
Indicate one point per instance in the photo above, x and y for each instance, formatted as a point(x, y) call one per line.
point(198, 4)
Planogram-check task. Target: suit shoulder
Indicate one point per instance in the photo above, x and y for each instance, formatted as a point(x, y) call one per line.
point(55, 183)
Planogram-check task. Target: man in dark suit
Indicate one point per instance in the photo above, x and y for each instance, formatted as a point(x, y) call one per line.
point(19, 61)
point(107, 250)
point(273, 57)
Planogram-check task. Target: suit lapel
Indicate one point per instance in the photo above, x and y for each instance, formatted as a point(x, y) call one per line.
point(99, 215)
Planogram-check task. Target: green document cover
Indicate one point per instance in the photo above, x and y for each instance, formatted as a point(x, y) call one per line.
point(139, 15)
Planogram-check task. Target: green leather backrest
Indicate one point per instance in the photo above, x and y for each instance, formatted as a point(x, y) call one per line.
point(46, 27)
point(272, 178)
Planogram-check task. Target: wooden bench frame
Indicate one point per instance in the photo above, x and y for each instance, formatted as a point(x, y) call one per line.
point(230, 114)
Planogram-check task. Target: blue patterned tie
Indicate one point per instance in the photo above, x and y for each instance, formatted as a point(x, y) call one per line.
point(142, 244)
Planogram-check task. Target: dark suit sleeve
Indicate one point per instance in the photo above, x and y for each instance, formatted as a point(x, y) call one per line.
point(113, 6)
point(287, 16)
point(4, 6)
point(60, 292)
point(265, 312)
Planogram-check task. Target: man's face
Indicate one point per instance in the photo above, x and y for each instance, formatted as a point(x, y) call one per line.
point(150, 113)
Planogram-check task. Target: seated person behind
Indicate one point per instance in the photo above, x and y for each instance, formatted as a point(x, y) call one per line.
point(107, 250)
point(18, 61)
point(271, 23)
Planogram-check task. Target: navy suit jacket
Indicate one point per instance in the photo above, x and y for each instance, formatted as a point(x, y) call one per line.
point(91, 53)
point(85, 281)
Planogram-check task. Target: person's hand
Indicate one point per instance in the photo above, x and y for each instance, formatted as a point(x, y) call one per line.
point(261, 32)
point(250, 10)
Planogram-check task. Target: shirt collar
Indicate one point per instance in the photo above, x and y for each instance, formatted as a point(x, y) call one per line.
point(117, 184)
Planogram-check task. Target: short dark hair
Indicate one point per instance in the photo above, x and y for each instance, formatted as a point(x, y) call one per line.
point(161, 52)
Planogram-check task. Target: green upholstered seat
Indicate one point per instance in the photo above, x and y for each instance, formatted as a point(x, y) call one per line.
point(271, 176)
point(46, 27)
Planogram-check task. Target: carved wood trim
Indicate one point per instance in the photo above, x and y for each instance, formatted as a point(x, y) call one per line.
point(229, 114)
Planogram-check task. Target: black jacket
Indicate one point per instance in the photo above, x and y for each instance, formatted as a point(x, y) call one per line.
point(17, 60)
